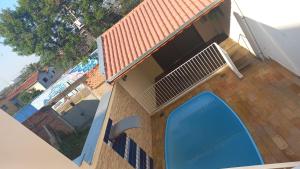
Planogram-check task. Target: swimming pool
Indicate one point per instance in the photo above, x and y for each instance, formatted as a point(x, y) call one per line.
point(205, 133)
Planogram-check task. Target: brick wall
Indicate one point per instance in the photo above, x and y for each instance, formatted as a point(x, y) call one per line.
point(47, 117)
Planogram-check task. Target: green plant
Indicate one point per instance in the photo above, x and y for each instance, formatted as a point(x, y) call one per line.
point(27, 96)
point(72, 145)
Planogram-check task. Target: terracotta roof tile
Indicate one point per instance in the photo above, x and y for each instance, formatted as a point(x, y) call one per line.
point(32, 79)
point(146, 28)
point(94, 78)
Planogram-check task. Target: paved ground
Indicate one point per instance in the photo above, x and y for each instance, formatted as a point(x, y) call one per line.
point(267, 100)
point(82, 114)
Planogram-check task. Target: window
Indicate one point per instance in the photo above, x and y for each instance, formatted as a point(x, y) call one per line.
point(45, 79)
point(4, 107)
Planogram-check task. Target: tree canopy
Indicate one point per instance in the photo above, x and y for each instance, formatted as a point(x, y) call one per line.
point(41, 28)
point(27, 96)
point(46, 28)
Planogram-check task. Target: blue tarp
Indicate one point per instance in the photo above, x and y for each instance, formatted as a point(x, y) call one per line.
point(24, 113)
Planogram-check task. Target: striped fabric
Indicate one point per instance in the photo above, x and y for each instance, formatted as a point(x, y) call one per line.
point(128, 149)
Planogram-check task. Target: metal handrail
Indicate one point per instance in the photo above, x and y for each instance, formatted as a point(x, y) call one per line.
point(185, 76)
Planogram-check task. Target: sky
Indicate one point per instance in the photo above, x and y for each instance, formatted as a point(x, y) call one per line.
point(11, 63)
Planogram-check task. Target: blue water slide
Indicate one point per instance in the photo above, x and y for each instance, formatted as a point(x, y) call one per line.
point(205, 132)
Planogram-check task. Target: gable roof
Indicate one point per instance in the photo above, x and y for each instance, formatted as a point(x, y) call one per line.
point(147, 27)
point(31, 80)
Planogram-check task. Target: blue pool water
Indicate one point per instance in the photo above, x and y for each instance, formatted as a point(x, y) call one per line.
point(205, 133)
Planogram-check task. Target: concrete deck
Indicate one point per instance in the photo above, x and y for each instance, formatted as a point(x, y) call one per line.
point(267, 100)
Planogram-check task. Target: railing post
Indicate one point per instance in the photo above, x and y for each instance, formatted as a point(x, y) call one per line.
point(185, 77)
point(229, 61)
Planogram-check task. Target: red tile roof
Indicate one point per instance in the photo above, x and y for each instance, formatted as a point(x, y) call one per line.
point(24, 86)
point(150, 25)
point(94, 78)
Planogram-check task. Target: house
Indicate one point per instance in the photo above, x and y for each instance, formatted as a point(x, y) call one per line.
point(47, 78)
point(163, 54)
point(8, 106)
point(152, 48)
point(10, 102)
point(39, 80)
point(69, 84)
point(72, 86)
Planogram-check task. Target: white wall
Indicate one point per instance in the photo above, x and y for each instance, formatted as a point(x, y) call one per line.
point(275, 26)
point(141, 77)
point(37, 86)
point(52, 75)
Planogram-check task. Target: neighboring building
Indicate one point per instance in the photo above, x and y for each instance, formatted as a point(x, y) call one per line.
point(11, 102)
point(8, 106)
point(47, 78)
point(81, 113)
point(30, 83)
point(70, 79)
point(24, 113)
point(48, 125)
point(58, 94)
point(39, 80)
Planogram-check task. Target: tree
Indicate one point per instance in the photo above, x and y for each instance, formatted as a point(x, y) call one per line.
point(28, 70)
point(45, 28)
point(128, 5)
point(92, 14)
point(27, 96)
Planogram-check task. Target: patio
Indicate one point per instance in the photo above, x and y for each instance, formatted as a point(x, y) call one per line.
point(266, 99)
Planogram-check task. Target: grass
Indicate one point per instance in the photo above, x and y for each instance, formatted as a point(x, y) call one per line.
point(72, 145)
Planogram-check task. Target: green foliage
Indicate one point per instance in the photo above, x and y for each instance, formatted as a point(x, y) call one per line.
point(45, 28)
point(72, 145)
point(28, 70)
point(27, 96)
point(93, 15)
point(128, 5)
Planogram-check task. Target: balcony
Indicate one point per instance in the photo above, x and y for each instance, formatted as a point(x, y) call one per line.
point(184, 78)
